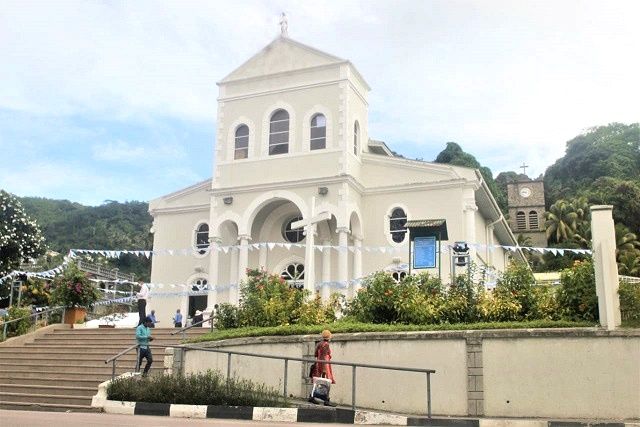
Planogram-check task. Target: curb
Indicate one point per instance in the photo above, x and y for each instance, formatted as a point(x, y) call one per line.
point(328, 415)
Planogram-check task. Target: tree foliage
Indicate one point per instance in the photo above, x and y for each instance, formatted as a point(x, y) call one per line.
point(454, 155)
point(20, 236)
point(112, 226)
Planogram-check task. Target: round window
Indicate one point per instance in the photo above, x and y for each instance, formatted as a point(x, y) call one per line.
point(295, 235)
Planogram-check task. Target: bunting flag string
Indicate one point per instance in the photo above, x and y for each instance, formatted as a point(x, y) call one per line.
point(41, 274)
point(321, 248)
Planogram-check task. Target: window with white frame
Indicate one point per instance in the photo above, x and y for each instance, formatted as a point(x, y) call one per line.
point(279, 133)
point(318, 132)
point(202, 238)
point(242, 142)
point(292, 235)
point(356, 137)
point(397, 225)
point(294, 275)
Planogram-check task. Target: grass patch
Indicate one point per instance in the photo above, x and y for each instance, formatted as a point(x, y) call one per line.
point(349, 326)
point(631, 323)
point(206, 388)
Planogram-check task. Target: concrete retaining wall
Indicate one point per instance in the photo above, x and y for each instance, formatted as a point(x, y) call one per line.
point(584, 373)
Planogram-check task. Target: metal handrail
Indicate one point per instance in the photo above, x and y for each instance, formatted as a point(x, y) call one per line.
point(353, 365)
point(40, 313)
point(186, 328)
point(114, 359)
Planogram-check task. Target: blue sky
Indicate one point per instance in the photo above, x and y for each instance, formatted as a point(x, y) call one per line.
point(117, 100)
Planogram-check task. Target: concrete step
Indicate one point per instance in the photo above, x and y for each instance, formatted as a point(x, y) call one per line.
point(45, 398)
point(118, 331)
point(29, 406)
point(71, 376)
point(70, 360)
point(102, 356)
point(87, 370)
point(48, 389)
point(8, 378)
point(59, 350)
point(102, 340)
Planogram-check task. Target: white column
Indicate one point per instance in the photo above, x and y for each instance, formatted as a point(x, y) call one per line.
point(357, 262)
point(310, 259)
point(243, 256)
point(214, 265)
point(233, 276)
point(262, 259)
point(326, 270)
point(343, 255)
point(603, 243)
point(470, 209)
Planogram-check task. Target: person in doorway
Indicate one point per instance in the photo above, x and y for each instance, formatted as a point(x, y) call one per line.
point(143, 337)
point(323, 352)
point(177, 319)
point(142, 303)
point(198, 317)
point(152, 316)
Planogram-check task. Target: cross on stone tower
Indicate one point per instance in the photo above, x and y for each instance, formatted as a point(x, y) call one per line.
point(524, 168)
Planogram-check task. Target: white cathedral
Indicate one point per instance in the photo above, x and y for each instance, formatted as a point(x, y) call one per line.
point(301, 190)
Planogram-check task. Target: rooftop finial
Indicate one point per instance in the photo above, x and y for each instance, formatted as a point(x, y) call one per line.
point(284, 25)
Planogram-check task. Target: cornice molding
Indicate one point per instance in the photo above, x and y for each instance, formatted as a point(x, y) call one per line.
point(180, 210)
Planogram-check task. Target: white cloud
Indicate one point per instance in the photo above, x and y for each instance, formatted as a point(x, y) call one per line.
point(125, 152)
point(499, 76)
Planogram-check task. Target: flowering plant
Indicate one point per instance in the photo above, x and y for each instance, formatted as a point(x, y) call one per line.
point(74, 289)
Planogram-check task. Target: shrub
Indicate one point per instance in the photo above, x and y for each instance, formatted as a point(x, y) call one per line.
point(577, 294)
point(35, 292)
point(518, 284)
point(74, 289)
point(226, 316)
point(629, 300)
point(499, 307)
point(206, 388)
point(461, 304)
point(267, 300)
point(375, 301)
point(20, 327)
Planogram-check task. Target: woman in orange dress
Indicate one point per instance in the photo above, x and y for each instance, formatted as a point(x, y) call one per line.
point(323, 352)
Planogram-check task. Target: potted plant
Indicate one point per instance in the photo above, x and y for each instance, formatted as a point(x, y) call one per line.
point(74, 290)
point(112, 315)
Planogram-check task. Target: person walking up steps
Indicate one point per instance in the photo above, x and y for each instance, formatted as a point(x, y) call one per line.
point(143, 337)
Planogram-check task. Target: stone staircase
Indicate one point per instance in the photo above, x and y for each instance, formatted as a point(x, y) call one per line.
point(60, 369)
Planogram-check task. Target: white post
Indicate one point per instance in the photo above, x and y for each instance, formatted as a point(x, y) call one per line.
point(343, 255)
point(262, 259)
point(326, 270)
point(603, 243)
point(470, 209)
point(243, 261)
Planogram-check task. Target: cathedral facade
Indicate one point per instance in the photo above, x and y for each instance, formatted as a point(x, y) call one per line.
point(301, 190)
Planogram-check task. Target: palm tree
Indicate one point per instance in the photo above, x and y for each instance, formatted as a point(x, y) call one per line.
point(560, 221)
point(625, 240)
point(629, 263)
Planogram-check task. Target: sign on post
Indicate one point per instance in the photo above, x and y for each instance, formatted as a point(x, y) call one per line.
point(424, 252)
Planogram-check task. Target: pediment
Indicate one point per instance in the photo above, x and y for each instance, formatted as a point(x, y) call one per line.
point(281, 55)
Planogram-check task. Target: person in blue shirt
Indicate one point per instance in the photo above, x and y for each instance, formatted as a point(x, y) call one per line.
point(143, 337)
point(153, 318)
point(177, 319)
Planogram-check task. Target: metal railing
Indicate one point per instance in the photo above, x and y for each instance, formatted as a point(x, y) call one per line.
point(107, 273)
point(353, 365)
point(186, 328)
point(113, 359)
point(43, 314)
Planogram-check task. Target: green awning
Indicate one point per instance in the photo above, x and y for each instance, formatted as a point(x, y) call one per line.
point(427, 227)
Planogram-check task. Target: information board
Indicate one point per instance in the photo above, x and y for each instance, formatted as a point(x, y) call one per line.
point(424, 252)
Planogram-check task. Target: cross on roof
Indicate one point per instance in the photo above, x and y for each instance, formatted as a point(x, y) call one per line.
point(524, 168)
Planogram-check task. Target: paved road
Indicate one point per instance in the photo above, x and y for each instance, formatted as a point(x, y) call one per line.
point(78, 419)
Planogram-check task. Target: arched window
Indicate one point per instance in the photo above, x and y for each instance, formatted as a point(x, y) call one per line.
point(318, 133)
point(295, 235)
point(356, 138)
point(279, 133)
point(521, 220)
point(202, 238)
point(242, 142)
point(198, 299)
point(294, 275)
point(397, 225)
point(533, 220)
